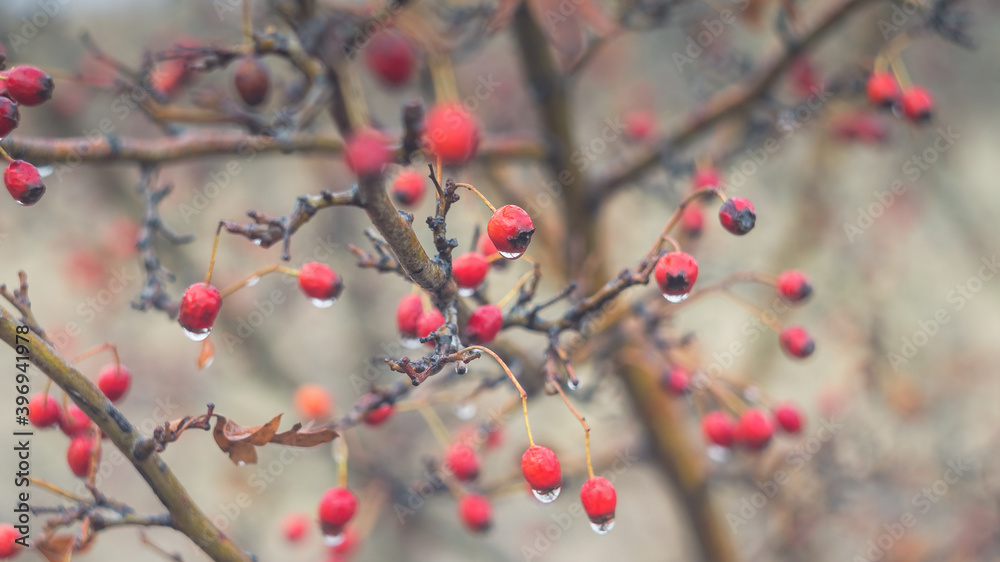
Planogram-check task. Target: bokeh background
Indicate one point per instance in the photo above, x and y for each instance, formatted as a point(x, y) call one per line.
point(898, 424)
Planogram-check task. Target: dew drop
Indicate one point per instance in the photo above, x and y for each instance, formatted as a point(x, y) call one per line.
point(322, 303)
point(461, 369)
point(46, 171)
point(197, 336)
point(207, 363)
point(603, 528)
point(675, 298)
point(573, 384)
point(548, 496)
point(241, 463)
point(466, 292)
point(465, 411)
point(334, 540)
point(718, 453)
point(253, 281)
point(258, 241)
point(410, 343)
point(511, 255)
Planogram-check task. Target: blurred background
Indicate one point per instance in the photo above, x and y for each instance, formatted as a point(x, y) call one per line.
point(902, 387)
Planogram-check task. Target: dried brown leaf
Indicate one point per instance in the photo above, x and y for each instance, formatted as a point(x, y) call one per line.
point(299, 436)
point(240, 442)
point(207, 354)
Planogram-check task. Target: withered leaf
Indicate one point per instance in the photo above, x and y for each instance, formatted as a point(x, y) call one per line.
point(299, 436)
point(240, 442)
point(60, 547)
point(207, 354)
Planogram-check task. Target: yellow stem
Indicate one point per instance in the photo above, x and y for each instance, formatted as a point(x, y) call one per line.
point(517, 287)
point(513, 379)
point(479, 193)
point(583, 422)
point(56, 490)
point(215, 249)
point(248, 23)
point(437, 426)
point(5, 155)
point(257, 274)
point(340, 454)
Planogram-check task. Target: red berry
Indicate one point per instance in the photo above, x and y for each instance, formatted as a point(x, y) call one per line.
point(8, 547)
point(737, 215)
point(789, 417)
point(114, 382)
point(599, 499)
point(428, 322)
point(794, 285)
point(408, 187)
point(918, 104)
point(73, 421)
point(295, 526)
point(863, 126)
point(29, 86)
point(692, 220)
point(390, 57)
point(676, 381)
point(451, 132)
point(706, 178)
point(510, 228)
point(718, 428)
point(486, 247)
point(336, 508)
point(378, 415)
point(368, 152)
point(24, 182)
point(408, 313)
point(676, 273)
point(81, 448)
point(882, 89)
point(797, 342)
point(462, 461)
point(541, 469)
point(312, 402)
point(753, 430)
point(469, 270)
point(485, 323)
point(252, 81)
point(199, 308)
point(639, 124)
point(43, 410)
point(476, 512)
point(10, 117)
point(320, 283)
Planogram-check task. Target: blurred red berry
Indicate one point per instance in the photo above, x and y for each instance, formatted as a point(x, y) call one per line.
point(640, 124)
point(676, 380)
point(368, 152)
point(114, 381)
point(484, 323)
point(313, 402)
point(43, 410)
point(9, 547)
point(408, 313)
point(882, 89)
point(10, 117)
point(692, 220)
point(793, 285)
point(29, 86)
point(706, 178)
point(408, 188)
point(72, 420)
point(451, 132)
point(319, 282)
point(918, 104)
point(295, 526)
point(754, 429)
point(462, 461)
point(81, 448)
point(390, 57)
point(336, 508)
point(789, 417)
point(379, 414)
point(469, 270)
point(797, 342)
point(486, 247)
point(476, 512)
point(737, 215)
point(428, 322)
point(718, 428)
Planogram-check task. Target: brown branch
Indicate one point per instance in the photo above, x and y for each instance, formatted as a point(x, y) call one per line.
point(185, 515)
point(730, 102)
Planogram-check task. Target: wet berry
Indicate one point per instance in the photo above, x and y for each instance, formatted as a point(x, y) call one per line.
point(379, 414)
point(484, 324)
point(476, 512)
point(408, 188)
point(541, 469)
point(367, 153)
point(319, 282)
point(29, 86)
point(469, 270)
point(918, 104)
point(72, 420)
point(390, 57)
point(24, 182)
point(114, 381)
point(428, 322)
point(252, 81)
point(10, 117)
point(718, 428)
point(336, 508)
point(462, 461)
point(451, 132)
point(737, 215)
point(599, 499)
point(313, 402)
point(676, 273)
point(78, 455)
point(793, 285)
point(199, 308)
point(510, 228)
point(43, 410)
point(408, 313)
point(754, 429)
point(486, 247)
point(789, 417)
point(797, 342)
point(882, 90)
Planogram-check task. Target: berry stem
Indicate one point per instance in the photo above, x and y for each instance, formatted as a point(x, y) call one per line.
point(899, 71)
point(754, 309)
point(215, 249)
point(583, 422)
point(479, 193)
point(435, 424)
point(513, 379)
point(248, 23)
point(340, 455)
point(517, 287)
point(57, 490)
point(676, 217)
point(97, 349)
point(5, 155)
point(673, 242)
point(257, 274)
point(443, 78)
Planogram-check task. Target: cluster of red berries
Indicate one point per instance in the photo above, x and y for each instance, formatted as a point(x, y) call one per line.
point(754, 428)
point(27, 86)
point(542, 472)
point(915, 102)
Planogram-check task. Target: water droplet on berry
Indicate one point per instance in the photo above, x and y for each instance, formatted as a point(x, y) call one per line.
point(511, 255)
point(46, 171)
point(253, 281)
point(465, 411)
point(603, 528)
point(718, 453)
point(410, 343)
point(547, 496)
point(197, 336)
point(241, 463)
point(323, 303)
point(258, 241)
point(675, 298)
point(573, 384)
point(334, 540)
point(466, 292)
